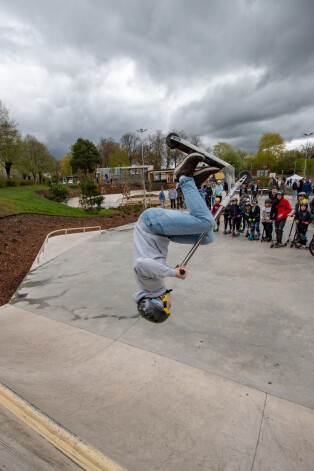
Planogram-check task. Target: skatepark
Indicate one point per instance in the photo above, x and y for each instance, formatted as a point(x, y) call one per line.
point(226, 383)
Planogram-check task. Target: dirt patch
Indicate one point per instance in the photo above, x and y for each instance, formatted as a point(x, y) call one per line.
point(21, 237)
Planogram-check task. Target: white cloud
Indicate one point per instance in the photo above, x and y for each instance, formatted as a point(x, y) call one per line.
point(223, 70)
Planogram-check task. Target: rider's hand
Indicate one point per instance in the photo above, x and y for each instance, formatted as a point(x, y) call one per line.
point(178, 274)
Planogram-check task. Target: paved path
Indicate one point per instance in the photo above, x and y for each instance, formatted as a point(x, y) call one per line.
point(225, 384)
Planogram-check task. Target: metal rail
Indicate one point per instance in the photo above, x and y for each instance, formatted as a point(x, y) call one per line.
point(42, 249)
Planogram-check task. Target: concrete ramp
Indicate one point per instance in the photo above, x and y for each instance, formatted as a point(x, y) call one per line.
point(226, 383)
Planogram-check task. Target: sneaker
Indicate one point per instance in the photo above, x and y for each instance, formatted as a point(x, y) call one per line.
point(201, 174)
point(188, 165)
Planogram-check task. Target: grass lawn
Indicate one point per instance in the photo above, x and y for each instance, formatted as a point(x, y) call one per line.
point(23, 199)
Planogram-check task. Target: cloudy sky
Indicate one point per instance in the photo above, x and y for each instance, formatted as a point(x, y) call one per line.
point(225, 70)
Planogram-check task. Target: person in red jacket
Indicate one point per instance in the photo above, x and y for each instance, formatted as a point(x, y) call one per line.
point(279, 213)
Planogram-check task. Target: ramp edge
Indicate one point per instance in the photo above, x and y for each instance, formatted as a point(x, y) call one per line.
point(82, 453)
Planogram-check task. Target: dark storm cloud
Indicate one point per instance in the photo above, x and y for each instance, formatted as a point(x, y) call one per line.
point(228, 70)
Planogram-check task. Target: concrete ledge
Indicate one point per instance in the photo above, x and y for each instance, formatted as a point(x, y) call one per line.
point(84, 454)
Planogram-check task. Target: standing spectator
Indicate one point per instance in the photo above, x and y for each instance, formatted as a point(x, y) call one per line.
point(227, 219)
point(235, 215)
point(245, 198)
point(307, 188)
point(225, 186)
point(218, 190)
point(266, 221)
point(172, 195)
point(179, 197)
point(213, 193)
point(311, 207)
point(300, 185)
point(279, 214)
point(273, 195)
point(271, 185)
point(208, 195)
point(254, 190)
point(162, 198)
point(281, 185)
point(216, 206)
point(254, 218)
point(303, 218)
point(294, 189)
point(243, 189)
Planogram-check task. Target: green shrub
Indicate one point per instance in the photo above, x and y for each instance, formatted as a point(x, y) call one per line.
point(12, 183)
point(58, 193)
point(91, 197)
point(2, 183)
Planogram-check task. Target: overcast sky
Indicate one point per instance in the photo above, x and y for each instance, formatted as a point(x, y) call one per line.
point(225, 70)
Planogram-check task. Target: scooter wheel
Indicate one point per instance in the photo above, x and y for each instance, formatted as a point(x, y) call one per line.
point(170, 143)
point(247, 174)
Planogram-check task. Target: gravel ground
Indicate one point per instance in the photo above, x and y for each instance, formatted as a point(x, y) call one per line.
point(21, 237)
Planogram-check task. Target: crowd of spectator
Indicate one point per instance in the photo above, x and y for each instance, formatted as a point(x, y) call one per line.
point(244, 215)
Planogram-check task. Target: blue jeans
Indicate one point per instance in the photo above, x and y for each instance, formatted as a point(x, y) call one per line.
point(181, 227)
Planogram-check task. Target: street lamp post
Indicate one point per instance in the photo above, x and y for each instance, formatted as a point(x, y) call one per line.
point(307, 143)
point(141, 131)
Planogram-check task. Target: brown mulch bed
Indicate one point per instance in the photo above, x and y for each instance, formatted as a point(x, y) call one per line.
point(21, 237)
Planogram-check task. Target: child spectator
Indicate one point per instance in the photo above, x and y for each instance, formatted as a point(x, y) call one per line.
point(279, 213)
point(172, 195)
point(162, 198)
point(215, 208)
point(245, 198)
point(300, 199)
point(227, 219)
point(266, 220)
point(235, 215)
point(179, 197)
point(303, 218)
point(208, 195)
point(254, 219)
point(246, 217)
point(218, 190)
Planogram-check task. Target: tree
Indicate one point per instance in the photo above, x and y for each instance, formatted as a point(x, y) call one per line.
point(104, 147)
point(270, 149)
point(10, 141)
point(155, 147)
point(118, 157)
point(130, 141)
point(224, 151)
point(65, 165)
point(85, 157)
point(36, 158)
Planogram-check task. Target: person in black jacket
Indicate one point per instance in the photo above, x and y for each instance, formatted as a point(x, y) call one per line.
point(208, 196)
point(245, 198)
point(303, 218)
point(254, 219)
point(227, 219)
point(246, 217)
point(235, 215)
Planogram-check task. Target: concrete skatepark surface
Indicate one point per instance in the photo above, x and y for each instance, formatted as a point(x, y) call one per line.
point(225, 384)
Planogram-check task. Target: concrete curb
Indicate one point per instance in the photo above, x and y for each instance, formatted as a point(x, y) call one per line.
point(82, 453)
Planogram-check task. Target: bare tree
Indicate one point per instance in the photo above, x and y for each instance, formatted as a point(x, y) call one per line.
point(130, 141)
point(10, 140)
point(105, 147)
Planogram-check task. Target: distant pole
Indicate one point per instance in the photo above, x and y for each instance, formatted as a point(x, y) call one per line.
point(141, 131)
point(307, 143)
